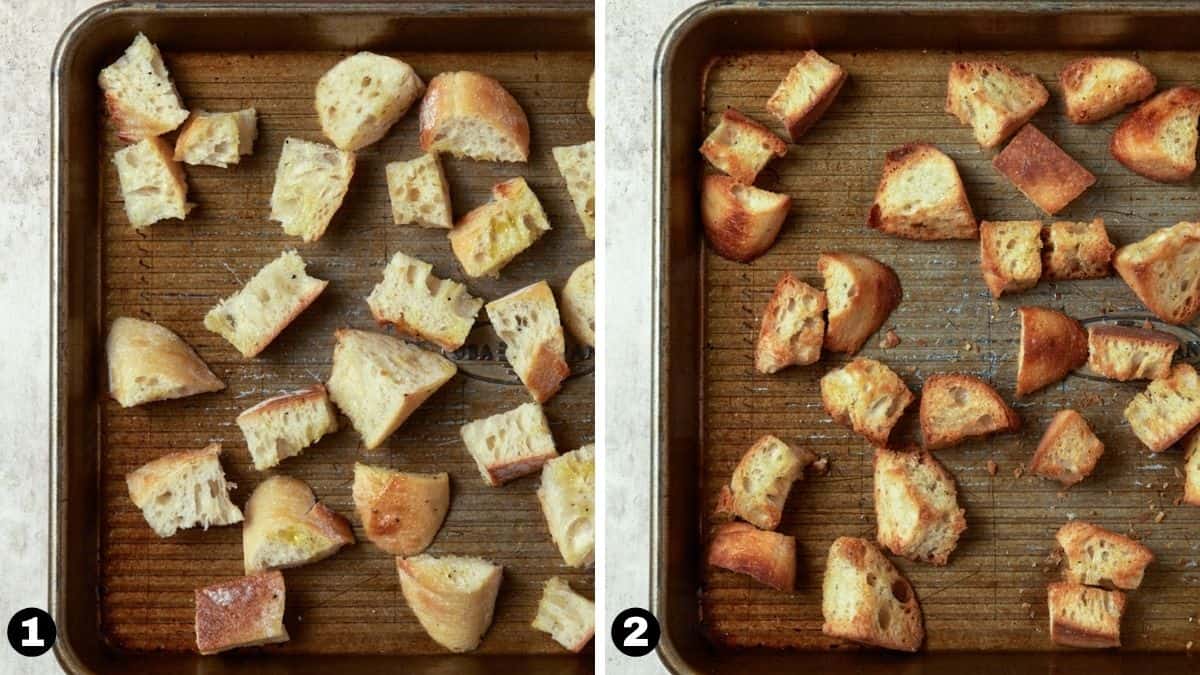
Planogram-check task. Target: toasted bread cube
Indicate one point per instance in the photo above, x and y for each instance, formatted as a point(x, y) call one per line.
point(1010, 253)
point(921, 196)
point(362, 96)
point(577, 164)
point(1052, 345)
point(1127, 353)
point(1099, 557)
point(741, 221)
point(253, 317)
point(183, 490)
point(1191, 470)
point(490, 236)
point(1076, 251)
point(864, 598)
point(866, 396)
point(1068, 451)
point(471, 115)
point(283, 426)
point(741, 147)
point(528, 323)
point(1098, 87)
point(956, 407)
point(767, 557)
point(1164, 271)
point(1167, 410)
point(147, 362)
point(806, 92)
point(793, 327)
point(567, 495)
point(139, 94)
point(762, 480)
point(287, 527)
point(401, 512)
point(217, 138)
point(243, 612)
point(1158, 139)
point(565, 615)
point(311, 180)
point(1081, 616)
point(153, 186)
point(993, 99)
point(511, 444)
point(453, 597)
point(420, 305)
point(1042, 171)
point(916, 506)
point(419, 193)
point(578, 303)
point(861, 292)
point(378, 381)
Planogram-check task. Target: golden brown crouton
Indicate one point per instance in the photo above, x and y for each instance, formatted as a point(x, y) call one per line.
point(741, 147)
point(1167, 410)
point(741, 221)
point(921, 196)
point(866, 396)
point(861, 292)
point(806, 92)
point(1099, 557)
point(864, 598)
point(1068, 451)
point(1164, 271)
point(1128, 353)
point(1158, 140)
point(1052, 345)
point(1097, 87)
point(916, 505)
point(1076, 251)
point(993, 98)
point(1010, 255)
point(1081, 616)
point(762, 480)
point(1042, 171)
point(766, 557)
point(793, 327)
point(956, 407)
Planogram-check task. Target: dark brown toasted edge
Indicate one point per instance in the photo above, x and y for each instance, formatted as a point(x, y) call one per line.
point(1070, 77)
point(1038, 465)
point(765, 556)
point(1141, 125)
point(1012, 420)
point(547, 370)
point(1042, 170)
point(1047, 356)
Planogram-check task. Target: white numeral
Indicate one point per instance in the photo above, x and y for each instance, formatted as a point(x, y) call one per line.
point(31, 633)
point(634, 639)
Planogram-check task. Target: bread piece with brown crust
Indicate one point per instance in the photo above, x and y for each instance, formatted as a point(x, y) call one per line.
point(287, 527)
point(283, 426)
point(510, 444)
point(793, 327)
point(1191, 470)
point(1158, 139)
point(1098, 87)
point(1076, 251)
point(1081, 616)
point(242, 612)
point(741, 221)
point(767, 557)
point(866, 396)
point(861, 293)
point(1129, 353)
point(1167, 410)
point(921, 196)
point(527, 321)
point(806, 92)
point(472, 115)
point(916, 505)
point(955, 407)
point(1068, 451)
point(1040, 169)
point(864, 598)
point(741, 147)
point(453, 597)
point(762, 480)
point(992, 98)
point(1052, 345)
point(1164, 271)
point(1099, 557)
point(1010, 255)
point(401, 512)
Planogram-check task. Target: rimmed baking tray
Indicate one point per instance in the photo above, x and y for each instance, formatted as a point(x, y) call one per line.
point(121, 596)
point(985, 611)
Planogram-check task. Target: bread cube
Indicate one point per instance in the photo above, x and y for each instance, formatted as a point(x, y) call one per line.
point(866, 396)
point(147, 362)
point(568, 495)
point(993, 99)
point(578, 303)
point(767, 557)
point(283, 426)
point(490, 236)
point(916, 506)
point(243, 612)
point(921, 196)
point(471, 115)
point(956, 407)
point(565, 615)
point(1128, 353)
point(1167, 410)
point(1098, 87)
point(861, 292)
point(453, 597)
point(1052, 345)
point(1076, 251)
point(287, 527)
point(1164, 271)
point(423, 306)
point(419, 192)
point(139, 94)
point(527, 321)
point(741, 221)
point(153, 186)
point(1096, 556)
point(741, 147)
point(511, 444)
point(762, 480)
point(1042, 171)
point(864, 598)
point(401, 512)
point(310, 182)
point(577, 164)
point(806, 92)
point(1010, 254)
point(182, 490)
point(793, 327)
point(1081, 616)
point(362, 96)
point(217, 138)
point(1068, 451)
point(1158, 139)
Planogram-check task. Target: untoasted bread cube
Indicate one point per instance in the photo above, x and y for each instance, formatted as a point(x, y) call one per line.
point(741, 147)
point(453, 597)
point(578, 303)
point(1042, 171)
point(1052, 345)
point(767, 557)
point(591, 95)
point(217, 138)
point(511, 444)
point(253, 317)
point(244, 612)
point(567, 495)
point(916, 506)
point(1097, 87)
point(527, 321)
point(419, 193)
point(182, 490)
point(806, 92)
point(471, 115)
point(864, 598)
point(311, 180)
point(567, 616)
point(1191, 470)
point(741, 221)
point(1167, 410)
point(577, 164)
point(1081, 616)
point(139, 93)
point(793, 327)
point(1164, 270)
point(763, 478)
point(1076, 251)
point(490, 236)
point(1158, 139)
point(921, 196)
point(283, 426)
point(421, 305)
point(866, 396)
point(1098, 557)
point(287, 527)
point(362, 96)
point(957, 407)
point(1127, 353)
point(993, 99)
point(1010, 254)
point(378, 381)
point(147, 362)
point(861, 292)
point(1068, 451)
point(401, 512)
point(153, 186)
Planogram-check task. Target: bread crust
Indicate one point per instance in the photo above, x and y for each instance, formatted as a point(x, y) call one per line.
point(797, 119)
point(1099, 557)
point(1068, 451)
point(1064, 597)
point(899, 487)
point(1138, 142)
point(242, 612)
point(865, 383)
point(860, 588)
point(741, 147)
point(857, 311)
point(1076, 251)
point(1127, 353)
point(781, 342)
point(1093, 92)
point(1040, 169)
point(948, 218)
point(966, 97)
point(765, 556)
point(1052, 345)
point(1161, 268)
point(401, 513)
point(941, 399)
point(473, 95)
point(738, 228)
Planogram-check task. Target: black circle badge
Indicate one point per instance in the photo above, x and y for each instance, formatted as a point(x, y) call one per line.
point(635, 632)
point(31, 632)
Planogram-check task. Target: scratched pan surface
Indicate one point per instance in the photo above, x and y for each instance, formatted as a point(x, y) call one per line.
point(173, 272)
point(995, 582)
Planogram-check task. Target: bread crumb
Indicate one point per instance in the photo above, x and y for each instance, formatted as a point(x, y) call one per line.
point(890, 339)
point(992, 468)
point(1018, 472)
point(1159, 518)
point(1188, 646)
point(968, 346)
point(819, 467)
